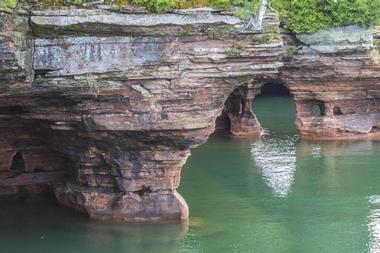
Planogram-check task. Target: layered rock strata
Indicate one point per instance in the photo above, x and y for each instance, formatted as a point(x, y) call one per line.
point(338, 72)
point(238, 117)
point(117, 100)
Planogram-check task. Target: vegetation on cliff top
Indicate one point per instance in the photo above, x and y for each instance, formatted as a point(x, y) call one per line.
point(8, 3)
point(298, 15)
point(313, 15)
point(242, 8)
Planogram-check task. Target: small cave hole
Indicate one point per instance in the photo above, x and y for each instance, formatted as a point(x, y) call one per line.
point(143, 191)
point(317, 110)
point(18, 162)
point(337, 110)
point(375, 129)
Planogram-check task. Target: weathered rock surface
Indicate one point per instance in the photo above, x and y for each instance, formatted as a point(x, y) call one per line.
point(343, 81)
point(118, 100)
point(242, 122)
point(342, 39)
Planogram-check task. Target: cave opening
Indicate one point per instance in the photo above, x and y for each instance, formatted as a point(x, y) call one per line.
point(143, 190)
point(271, 105)
point(318, 109)
point(18, 162)
point(375, 129)
point(274, 89)
point(234, 105)
point(275, 108)
point(337, 111)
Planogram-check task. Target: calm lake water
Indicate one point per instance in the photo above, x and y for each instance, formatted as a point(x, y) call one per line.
point(277, 194)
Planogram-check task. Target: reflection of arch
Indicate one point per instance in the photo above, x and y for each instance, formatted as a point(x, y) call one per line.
point(18, 162)
point(276, 158)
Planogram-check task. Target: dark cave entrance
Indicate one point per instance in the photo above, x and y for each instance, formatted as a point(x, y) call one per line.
point(18, 162)
point(237, 117)
point(274, 89)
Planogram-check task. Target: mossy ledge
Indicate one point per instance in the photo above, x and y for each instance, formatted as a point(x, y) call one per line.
point(308, 16)
point(240, 8)
point(299, 16)
point(8, 4)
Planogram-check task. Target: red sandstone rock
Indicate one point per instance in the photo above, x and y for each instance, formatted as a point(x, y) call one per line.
point(118, 106)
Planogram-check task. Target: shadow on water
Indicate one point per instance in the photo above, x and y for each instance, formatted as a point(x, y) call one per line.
point(41, 225)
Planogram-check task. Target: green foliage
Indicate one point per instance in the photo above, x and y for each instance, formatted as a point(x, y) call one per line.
point(266, 39)
point(219, 32)
point(57, 3)
point(8, 3)
point(236, 50)
point(313, 15)
point(156, 6)
point(221, 4)
point(289, 53)
point(246, 9)
point(117, 4)
point(183, 4)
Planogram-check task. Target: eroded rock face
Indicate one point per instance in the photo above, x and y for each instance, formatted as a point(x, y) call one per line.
point(117, 101)
point(340, 75)
point(238, 116)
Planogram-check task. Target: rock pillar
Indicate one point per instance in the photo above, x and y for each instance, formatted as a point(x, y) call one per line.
point(239, 110)
point(130, 185)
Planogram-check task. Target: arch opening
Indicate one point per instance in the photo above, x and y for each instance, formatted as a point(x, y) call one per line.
point(317, 109)
point(275, 107)
point(18, 162)
point(237, 117)
point(375, 129)
point(274, 89)
point(270, 102)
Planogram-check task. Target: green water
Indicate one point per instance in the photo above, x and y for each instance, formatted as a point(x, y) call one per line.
point(277, 194)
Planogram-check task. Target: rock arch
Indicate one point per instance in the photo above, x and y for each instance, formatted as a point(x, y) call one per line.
point(238, 114)
point(121, 109)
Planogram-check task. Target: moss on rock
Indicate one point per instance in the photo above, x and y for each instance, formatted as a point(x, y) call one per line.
point(241, 8)
point(314, 15)
point(8, 4)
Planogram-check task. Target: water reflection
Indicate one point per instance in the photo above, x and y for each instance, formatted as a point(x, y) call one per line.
point(374, 224)
point(276, 157)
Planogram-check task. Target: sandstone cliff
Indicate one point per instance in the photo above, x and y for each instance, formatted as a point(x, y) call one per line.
point(117, 100)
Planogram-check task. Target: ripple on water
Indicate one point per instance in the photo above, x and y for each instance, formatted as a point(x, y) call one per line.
point(374, 224)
